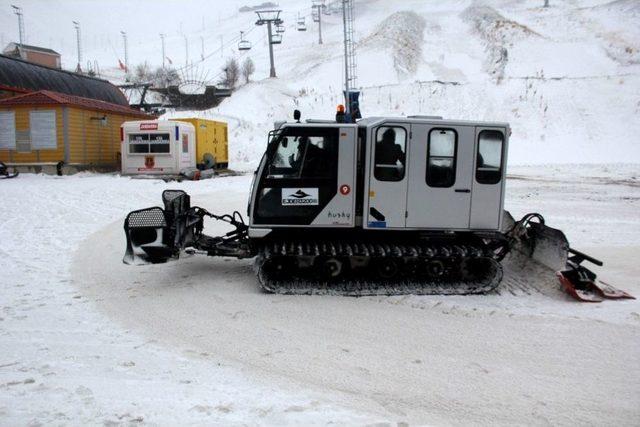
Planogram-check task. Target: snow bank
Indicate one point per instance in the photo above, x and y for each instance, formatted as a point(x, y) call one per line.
point(402, 32)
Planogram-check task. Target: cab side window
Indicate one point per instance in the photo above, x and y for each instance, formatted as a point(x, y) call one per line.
point(390, 157)
point(489, 157)
point(441, 158)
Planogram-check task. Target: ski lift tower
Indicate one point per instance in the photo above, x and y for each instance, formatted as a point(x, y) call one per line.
point(270, 17)
point(351, 98)
point(317, 7)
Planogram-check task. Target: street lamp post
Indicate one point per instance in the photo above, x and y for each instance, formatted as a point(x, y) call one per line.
point(126, 51)
point(76, 25)
point(162, 36)
point(18, 11)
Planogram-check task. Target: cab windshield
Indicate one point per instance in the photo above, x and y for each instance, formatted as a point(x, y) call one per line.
point(304, 153)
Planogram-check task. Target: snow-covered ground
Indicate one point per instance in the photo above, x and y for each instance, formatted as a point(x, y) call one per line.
point(85, 339)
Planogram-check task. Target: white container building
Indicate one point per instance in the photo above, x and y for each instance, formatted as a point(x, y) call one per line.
point(159, 147)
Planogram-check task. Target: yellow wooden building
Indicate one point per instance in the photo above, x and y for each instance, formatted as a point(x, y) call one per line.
point(44, 128)
point(211, 138)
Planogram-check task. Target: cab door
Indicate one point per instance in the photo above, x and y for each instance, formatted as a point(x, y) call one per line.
point(489, 178)
point(440, 165)
point(388, 176)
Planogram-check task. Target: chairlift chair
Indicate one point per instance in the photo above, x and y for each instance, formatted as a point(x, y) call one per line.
point(243, 44)
point(301, 24)
point(276, 38)
point(280, 28)
point(315, 15)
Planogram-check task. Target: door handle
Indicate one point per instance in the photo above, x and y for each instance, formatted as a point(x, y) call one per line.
point(462, 190)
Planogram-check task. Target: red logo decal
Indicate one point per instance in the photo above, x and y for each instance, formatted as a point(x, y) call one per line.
point(345, 189)
point(149, 162)
point(148, 126)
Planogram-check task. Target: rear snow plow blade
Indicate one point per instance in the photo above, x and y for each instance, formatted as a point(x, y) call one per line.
point(550, 247)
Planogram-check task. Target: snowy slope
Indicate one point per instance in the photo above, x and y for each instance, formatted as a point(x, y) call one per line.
point(566, 77)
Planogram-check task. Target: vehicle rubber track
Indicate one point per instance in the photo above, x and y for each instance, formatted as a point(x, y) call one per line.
point(278, 269)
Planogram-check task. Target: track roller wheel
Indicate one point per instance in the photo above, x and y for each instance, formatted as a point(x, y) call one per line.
point(387, 268)
point(330, 268)
point(435, 268)
point(279, 267)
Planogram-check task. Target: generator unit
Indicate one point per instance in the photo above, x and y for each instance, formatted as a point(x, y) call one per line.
point(212, 143)
point(387, 205)
point(157, 147)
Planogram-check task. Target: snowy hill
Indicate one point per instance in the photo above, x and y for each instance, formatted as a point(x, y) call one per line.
point(566, 77)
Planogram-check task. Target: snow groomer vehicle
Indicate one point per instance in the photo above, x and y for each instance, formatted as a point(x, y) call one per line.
point(384, 206)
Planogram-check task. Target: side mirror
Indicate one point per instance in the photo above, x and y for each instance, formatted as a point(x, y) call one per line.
point(285, 142)
point(296, 115)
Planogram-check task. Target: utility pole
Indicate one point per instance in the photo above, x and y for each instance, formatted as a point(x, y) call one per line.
point(126, 51)
point(162, 36)
point(221, 46)
point(318, 5)
point(76, 25)
point(18, 11)
point(269, 17)
point(202, 48)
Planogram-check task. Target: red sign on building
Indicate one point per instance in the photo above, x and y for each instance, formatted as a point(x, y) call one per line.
point(148, 126)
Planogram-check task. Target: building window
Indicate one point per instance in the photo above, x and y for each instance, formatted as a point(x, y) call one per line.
point(43, 130)
point(441, 158)
point(7, 130)
point(390, 157)
point(489, 158)
point(145, 143)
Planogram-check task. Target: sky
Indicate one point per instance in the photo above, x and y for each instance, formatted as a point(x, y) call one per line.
point(49, 23)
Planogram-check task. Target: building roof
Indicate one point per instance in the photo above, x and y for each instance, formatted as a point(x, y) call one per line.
point(46, 97)
point(12, 46)
point(24, 75)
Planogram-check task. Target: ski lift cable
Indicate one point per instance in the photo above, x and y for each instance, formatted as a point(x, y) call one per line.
point(229, 43)
point(239, 56)
point(226, 45)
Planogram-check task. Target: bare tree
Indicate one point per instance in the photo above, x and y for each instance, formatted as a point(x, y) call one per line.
point(142, 73)
point(160, 77)
point(248, 68)
point(231, 73)
point(165, 77)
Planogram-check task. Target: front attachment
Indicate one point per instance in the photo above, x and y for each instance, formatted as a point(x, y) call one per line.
point(155, 235)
